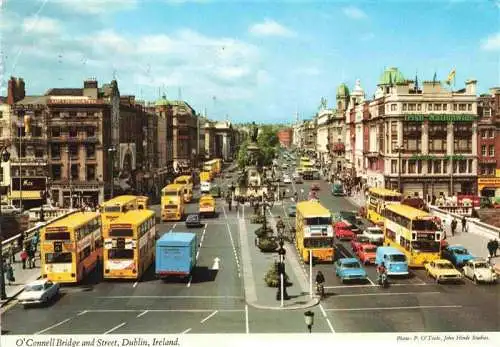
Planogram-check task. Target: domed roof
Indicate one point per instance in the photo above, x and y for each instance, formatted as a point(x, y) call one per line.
point(342, 90)
point(163, 101)
point(357, 88)
point(391, 75)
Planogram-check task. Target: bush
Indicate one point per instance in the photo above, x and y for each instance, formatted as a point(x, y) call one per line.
point(257, 219)
point(272, 278)
point(262, 232)
point(267, 244)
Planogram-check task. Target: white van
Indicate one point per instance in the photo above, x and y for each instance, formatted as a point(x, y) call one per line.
point(205, 187)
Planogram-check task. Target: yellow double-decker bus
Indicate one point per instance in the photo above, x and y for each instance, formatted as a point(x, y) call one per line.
point(378, 200)
point(142, 202)
point(314, 231)
point(71, 247)
point(172, 202)
point(129, 245)
point(187, 182)
point(114, 208)
point(412, 231)
point(213, 166)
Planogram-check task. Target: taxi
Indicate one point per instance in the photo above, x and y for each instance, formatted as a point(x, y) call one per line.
point(442, 270)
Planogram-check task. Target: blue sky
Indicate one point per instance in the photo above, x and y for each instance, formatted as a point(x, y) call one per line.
point(251, 60)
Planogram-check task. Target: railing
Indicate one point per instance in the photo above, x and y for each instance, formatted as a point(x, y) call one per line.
point(474, 225)
point(13, 242)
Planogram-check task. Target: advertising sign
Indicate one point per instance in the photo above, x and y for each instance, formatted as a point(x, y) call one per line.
point(29, 184)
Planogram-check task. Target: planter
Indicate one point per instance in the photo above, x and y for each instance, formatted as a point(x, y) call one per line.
point(264, 232)
point(272, 279)
point(267, 244)
point(257, 219)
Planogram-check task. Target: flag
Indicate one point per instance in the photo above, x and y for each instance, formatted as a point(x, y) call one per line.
point(416, 82)
point(434, 79)
point(451, 76)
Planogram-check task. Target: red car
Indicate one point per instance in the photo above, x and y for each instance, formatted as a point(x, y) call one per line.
point(315, 186)
point(343, 231)
point(358, 241)
point(366, 253)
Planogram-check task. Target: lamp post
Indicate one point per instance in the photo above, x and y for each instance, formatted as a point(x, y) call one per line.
point(70, 177)
point(309, 320)
point(400, 150)
point(281, 293)
point(112, 151)
point(5, 156)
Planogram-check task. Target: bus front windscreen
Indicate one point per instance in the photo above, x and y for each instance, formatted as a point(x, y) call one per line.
point(424, 224)
point(181, 182)
point(426, 246)
point(170, 193)
point(324, 242)
point(319, 221)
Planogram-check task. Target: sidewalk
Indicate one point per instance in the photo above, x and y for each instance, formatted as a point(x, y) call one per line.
point(357, 199)
point(22, 277)
point(255, 266)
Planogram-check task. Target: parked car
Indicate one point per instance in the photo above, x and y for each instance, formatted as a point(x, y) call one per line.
point(479, 270)
point(375, 234)
point(457, 254)
point(367, 253)
point(358, 241)
point(287, 180)
point(315, 186)
point(343, 231)
point(443, 271)
point(193, 221)
point(10, 209)
point(349, 269)
point(38, 292)
point(292, 210)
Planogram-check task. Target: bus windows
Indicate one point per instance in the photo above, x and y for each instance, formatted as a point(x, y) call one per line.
point(121, 254)
point(318, 221)
point(426, 246)
point(120, 232)
point(50, 236)
point(397, 258)
point(423, 225)
point(58, 258)
point(112, 209)
point(318, 242)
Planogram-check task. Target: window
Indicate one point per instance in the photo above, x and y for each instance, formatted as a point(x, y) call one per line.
point(437, 145)
point(73, 150)
point(74, 171)
point(404, 107)
point(491, 151)
point(56, 172)
point(55, 131)
point(437, 107)
point(469, 107)
point(412, 145)
point(412, 166)
point(486, 112)
point(90, 151)
point(437, 166)
point(1, 114)
point(39, 152)
point(429, 107)
point(462, 107)
point(470, 165)
point(445, 166)
point(484, 134)
point(1, 174)
point(36, 131)
point(55, 151)
point(419, 107)
point(403, 166)
point(90, 132)
point(412, 107)
point(394, 107)
point(463, 145)
point(90, 173)
point(455, 107)
point(492, 133)
point(1, 132)
point(394, 166)
point(73, 132)
point(445, 107)
point(483, 150)
point(429, 166)
point(462, 166)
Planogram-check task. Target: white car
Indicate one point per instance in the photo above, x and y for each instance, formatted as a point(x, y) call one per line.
point(38, 292)
point(10, 209)
point(479, 270)
point(287, 180)
point(374, 234)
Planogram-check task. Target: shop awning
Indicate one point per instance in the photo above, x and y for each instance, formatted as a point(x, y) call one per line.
point(26, 195)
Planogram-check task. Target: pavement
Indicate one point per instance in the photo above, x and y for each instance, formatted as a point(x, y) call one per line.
point(22, 277)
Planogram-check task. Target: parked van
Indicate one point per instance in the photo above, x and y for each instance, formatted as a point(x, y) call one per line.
point(394, 260)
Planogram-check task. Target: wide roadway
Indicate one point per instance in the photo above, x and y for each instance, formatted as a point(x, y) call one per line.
point(414, 304)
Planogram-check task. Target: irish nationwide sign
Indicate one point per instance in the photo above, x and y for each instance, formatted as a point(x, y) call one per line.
point(434, 117)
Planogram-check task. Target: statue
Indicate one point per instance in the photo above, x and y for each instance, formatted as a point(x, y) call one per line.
point(254, 132)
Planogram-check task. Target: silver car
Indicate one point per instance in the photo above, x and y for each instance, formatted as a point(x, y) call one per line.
point(39, 292)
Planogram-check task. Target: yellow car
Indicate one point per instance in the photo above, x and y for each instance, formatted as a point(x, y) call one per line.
point(443, 271)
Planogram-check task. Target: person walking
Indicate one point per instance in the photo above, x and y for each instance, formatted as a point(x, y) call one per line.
point(495, 248)
point(490, 247)
point(10, 274)
point(24, 257)
point(464, 224)
point(453, 226)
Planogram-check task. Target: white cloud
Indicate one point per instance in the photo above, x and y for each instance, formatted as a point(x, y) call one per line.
point(270, 28)
point(96, 6)
point(354, 12)
point(41, 25)
point(491, 43)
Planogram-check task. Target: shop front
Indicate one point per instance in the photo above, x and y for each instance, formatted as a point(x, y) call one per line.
point(27, 192)
point(489, 186)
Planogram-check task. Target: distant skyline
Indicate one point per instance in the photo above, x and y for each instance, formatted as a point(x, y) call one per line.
point(253, 60)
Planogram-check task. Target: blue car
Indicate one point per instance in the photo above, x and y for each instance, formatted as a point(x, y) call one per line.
point(458, 255)
point(349, 269)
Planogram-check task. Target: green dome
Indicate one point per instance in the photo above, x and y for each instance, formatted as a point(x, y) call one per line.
point(163, 101)
point(342, 90)
point(391, 76)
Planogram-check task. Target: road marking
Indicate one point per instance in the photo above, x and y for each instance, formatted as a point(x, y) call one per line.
point(191, 276)
point(243, 211)
point(327, 319)
point(170, 297)
point(186, 331)
point(371, 286)
point(175, 224)
point(166, 310)
point(113, 329)
point(232, 244)
point(135, 284)
point(209, 316)
point(392, 308)
point(246, 320)
point(382, 294)
point(142, 314)
point(52, 326)
point(82, 313)
point(420, 281)
point(368, 278)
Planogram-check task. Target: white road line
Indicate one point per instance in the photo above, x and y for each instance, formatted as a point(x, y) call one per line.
point(142, 314)
point(173, 227)
point(243, 211)
point(382, 294)
point(420, 281)
point(246, 320)
point(82, 313)
point(135, 284)
point(209, 316)
point(392, 308)
point(170, 297)
point(52, 326)
point(113, 329)
point(369, 280)
point(371, 286)
point(326, 317)
point(232, 244)
point(224, 210)
point(186, 331)
point(165, 310)
point(191, 276)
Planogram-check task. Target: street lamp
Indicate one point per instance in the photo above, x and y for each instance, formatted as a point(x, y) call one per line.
point(309, 319)
point(112, 151)
point(400, 150)
point(5, 156)
point(281, 294)
point(70, 177)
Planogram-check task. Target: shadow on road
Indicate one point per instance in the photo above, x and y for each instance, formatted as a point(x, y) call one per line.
point(203, 274)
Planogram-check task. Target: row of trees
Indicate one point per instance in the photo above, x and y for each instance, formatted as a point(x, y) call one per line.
point(267, 140)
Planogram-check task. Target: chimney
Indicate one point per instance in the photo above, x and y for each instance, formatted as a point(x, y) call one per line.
point(470, 87)
point(90, 88)
point(15, 90)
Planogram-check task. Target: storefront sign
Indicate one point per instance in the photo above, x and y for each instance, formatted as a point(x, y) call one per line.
point(440, 117)
point(433, 157)
point(29, 184)
point(73, 100)
point(493, 182)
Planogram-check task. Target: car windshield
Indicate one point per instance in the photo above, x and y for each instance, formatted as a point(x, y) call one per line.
point(481, 266)
point(460, 251)
point(351, 265)
point(444, 266)
point(34, 288)
point(375, 231)
point(370, 249)
point(397, 257)
point(193, 217)
point(293, 207)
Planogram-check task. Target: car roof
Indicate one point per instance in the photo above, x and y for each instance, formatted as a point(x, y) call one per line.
point(478, 260)
point(348, 260)
point(38, 282)
point(456, 247)
point(342, 224)
point(442, 261)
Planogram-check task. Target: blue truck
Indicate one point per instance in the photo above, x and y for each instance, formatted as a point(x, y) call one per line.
point(175, 254)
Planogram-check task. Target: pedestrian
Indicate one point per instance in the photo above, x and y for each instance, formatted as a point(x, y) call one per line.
point(12, 254)
point(490, 247)
point(10, 274)
point(453, 226)
point(24, 257)
point(464, 224)
point(283, 195)
point(31, 258)
point(495, 247)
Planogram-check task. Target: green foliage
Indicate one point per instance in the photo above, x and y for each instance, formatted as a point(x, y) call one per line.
point(271, 277)
point(267, 244)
